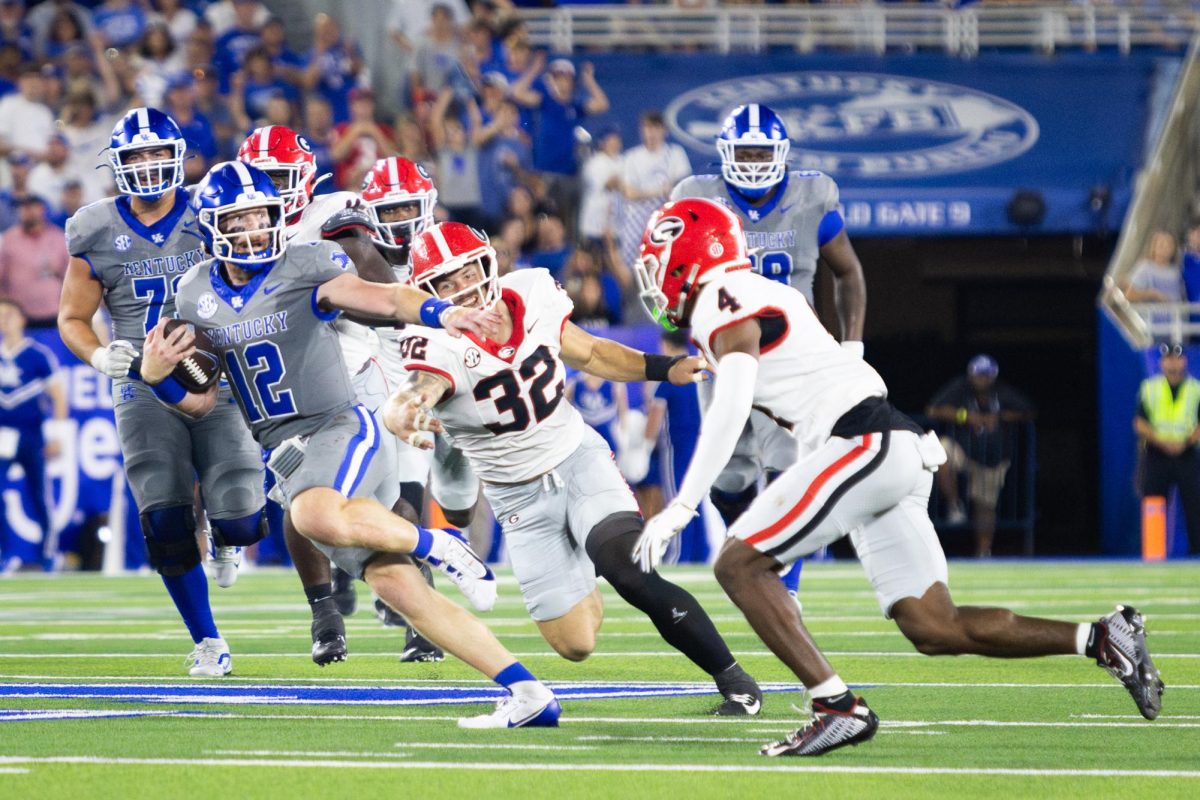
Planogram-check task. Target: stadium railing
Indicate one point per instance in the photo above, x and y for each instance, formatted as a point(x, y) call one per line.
point(865, 27)
point(1162, 201)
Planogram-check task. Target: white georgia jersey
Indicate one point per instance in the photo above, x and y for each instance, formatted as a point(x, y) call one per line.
point(358, 342)
point(806, 380)
point(505, 406)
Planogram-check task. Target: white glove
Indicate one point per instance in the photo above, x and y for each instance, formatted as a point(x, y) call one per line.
point(856, 348)
point(115, 359)
point(658, 533)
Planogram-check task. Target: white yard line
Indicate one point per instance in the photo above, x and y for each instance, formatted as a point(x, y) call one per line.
point(531, 654)
point(583, 767)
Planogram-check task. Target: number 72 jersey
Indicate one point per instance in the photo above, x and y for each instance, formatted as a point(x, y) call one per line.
point(505, 406)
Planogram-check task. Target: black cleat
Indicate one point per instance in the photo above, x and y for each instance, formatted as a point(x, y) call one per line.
point(344, 594)
point(743, 698)
point(419, 649)
point(1121, 651)
point(329, 639)
point(829, 730)
point(388, 615)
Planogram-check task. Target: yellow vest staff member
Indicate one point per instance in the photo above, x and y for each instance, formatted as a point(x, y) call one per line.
point(1166, 425)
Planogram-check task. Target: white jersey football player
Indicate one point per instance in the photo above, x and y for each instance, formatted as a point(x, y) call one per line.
point(867, 472)
point(566, 512)
point(791, 220)
point(287, 158)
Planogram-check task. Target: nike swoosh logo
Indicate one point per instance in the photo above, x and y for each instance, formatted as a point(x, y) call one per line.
point(530, 328)
point(270, 289)
point(785, 209)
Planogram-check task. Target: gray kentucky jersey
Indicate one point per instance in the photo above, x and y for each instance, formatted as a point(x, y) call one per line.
point(138, 265)
point(280, 352)
point(782, 234)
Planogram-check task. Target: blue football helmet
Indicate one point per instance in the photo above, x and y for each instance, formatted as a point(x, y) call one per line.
point(224, 202)
point(146, 129)
point(758, 127)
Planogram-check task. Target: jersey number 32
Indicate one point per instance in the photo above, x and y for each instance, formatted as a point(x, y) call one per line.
point(537, 372)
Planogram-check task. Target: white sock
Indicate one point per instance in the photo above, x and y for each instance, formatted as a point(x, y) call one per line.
point(1082, 634)
point(831, 687)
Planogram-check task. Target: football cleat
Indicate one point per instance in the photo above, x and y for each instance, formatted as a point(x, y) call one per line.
point(829, 730)
point(388, 615)
point(210, 659)
point(329, 639)
point(344, 595)
point(224, 563)
point(743, 698)
point(466, 570)
point(418, 649)
point(535, 708)
point(1121, 651)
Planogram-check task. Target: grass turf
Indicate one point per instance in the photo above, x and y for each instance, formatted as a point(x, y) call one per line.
point(965, 726)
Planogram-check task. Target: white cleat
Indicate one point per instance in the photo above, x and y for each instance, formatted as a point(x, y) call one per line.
point(224, 565)
point(534, 707)
point(210, 659)
point(466, 570)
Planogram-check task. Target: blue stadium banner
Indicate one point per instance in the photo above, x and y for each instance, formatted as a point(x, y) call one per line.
point(921, 144)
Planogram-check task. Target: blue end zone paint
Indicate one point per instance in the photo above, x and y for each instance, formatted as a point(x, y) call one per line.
point(429, 695)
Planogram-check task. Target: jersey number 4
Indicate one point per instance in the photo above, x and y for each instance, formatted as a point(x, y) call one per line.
point(263, 365)
point(503, 389)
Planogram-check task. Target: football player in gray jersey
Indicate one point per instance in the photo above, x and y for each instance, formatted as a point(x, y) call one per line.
point(267, 308)
point(791, 221)
point(131, 252)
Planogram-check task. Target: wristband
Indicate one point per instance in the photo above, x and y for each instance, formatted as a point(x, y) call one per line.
point(658, 366)
point(432, 310)
point(170, 391)
point(960, 416)
point(851, 346)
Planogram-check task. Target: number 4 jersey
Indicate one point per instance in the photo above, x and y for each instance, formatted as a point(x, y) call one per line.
point(505, 406)
point(806, 380)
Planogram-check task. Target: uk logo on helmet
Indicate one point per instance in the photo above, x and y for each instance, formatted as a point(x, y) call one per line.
point(866, 125)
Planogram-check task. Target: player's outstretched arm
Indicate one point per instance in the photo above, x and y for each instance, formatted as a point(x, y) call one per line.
point(404, 304)
point(160, 355)
point(613, 361)
point(737, 354)
point(408, 412)
point(850, 287)
point(81, 296)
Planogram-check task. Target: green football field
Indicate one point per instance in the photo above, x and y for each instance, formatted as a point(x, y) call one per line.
point(95, 701)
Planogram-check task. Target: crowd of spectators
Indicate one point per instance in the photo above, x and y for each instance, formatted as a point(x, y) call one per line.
point(506, 131)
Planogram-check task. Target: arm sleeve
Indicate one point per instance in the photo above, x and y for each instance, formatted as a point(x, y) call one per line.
point(733, 395)
point(831, 225)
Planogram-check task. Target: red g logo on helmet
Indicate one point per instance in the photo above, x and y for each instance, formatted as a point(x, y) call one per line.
point(289, 161)
point(686, 243)
point(447, 247)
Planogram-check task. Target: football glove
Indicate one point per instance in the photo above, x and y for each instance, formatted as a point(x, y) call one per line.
point(658, 533)
point(115, 359)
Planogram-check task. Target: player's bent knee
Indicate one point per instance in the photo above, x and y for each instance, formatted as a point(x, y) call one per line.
point(459, 518)
point(738, 561)
point(171, 539)
point(933, 629)
point(240, 531)
point(317, 512)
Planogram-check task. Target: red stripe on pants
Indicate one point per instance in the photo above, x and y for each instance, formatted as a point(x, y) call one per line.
point(813, 488)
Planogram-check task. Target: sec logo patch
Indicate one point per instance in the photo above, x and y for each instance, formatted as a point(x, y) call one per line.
point(472, 358)
point(206, 306)
point(122, 242)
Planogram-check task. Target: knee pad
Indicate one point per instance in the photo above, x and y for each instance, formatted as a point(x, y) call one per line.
point(171, 539)
point(615, 563)
point(240, 531)
point(731, 505)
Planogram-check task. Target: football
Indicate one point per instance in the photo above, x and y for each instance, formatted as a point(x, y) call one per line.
point(202, 368)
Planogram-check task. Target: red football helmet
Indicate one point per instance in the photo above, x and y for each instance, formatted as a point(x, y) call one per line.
point(393, 182)
point(687, 242)
point(448, 247)
point(288, 159)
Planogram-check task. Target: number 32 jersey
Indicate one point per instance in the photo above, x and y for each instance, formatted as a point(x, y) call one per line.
point(806, 380)
point(505, 406)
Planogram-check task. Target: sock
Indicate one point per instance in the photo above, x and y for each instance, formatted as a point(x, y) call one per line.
point(318, 592)
point(425, 543)
point(680, 620)
point(189, 591)
point(791, 578)
point(514, 673)
point(838, 702)
point(829, 688)
point(1087, 640)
